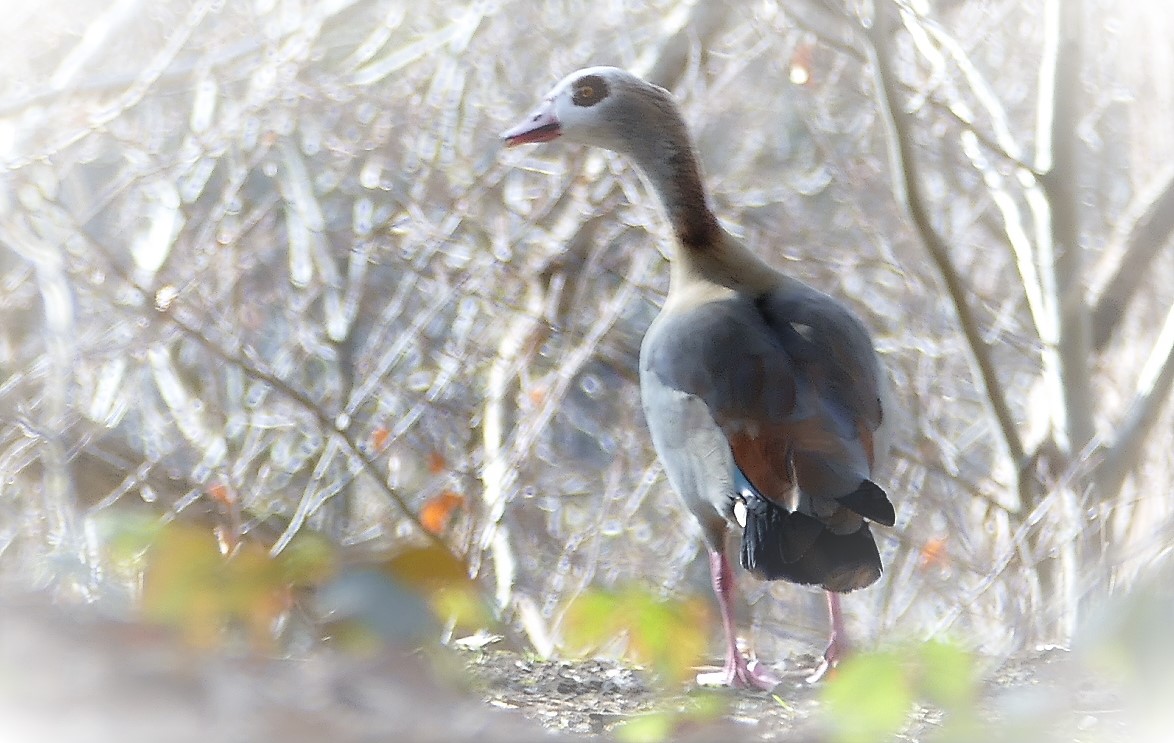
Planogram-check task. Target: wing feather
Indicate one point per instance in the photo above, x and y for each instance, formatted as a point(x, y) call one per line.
point(791, 379)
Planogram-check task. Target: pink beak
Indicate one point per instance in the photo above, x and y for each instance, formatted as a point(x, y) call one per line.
point(540, 126)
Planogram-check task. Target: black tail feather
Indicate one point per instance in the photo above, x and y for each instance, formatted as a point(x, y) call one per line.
point(800, 533)
point(871, 502)
point(780, 545)
point(773, 534)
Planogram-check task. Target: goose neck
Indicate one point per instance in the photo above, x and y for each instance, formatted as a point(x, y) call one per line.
point(672, 169)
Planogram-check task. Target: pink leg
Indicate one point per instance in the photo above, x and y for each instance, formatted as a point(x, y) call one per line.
point(838, 645)
point(736, 673)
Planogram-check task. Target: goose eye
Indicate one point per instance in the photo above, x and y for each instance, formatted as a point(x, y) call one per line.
point(589, 91)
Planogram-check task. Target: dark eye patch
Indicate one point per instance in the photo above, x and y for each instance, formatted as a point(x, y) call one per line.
point(589, 90)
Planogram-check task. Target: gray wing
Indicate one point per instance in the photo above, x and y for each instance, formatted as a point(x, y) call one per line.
point(694, 399)
point(788, 380)
point(780, 392)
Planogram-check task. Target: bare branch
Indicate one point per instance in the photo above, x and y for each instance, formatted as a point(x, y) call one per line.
point(1060, 253)
point(132, 94)
point(834, 29)
point(908, 189)
point(705, 19)
point(931, 40)
point(329, 423)
point(1136, 242)
point(1153, 388)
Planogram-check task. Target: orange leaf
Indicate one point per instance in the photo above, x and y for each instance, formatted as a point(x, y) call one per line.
point(379, 438)
point(437, 463)
point(933, 554)
point(222, 494)
point(438, 510)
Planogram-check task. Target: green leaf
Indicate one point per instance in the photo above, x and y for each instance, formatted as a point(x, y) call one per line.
point(189, 584)
point(669, 636)
point(650, 728)
point(464, 605)
point(868, 699)
point(947, 675)
point(661, 725)
point(127, 534)
point(183, 583)
point(308, 560)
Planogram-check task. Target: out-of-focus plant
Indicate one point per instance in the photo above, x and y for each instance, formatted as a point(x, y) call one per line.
point(870, 696)
point(190, 583)
point(1129, 643)
point(667, 723)
point(193, 582)
point(669, 636)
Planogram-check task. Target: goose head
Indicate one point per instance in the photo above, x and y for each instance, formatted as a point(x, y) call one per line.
point(611, 108)
point(601, 106)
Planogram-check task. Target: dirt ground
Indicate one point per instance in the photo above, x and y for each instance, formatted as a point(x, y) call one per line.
point(1042, 696)
point(594, 697)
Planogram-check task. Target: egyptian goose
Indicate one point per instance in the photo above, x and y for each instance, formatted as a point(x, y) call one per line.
point(762, 395)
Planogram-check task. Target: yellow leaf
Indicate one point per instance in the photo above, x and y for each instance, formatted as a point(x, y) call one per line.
point(427, 568)
point(189, 584)
point(444, 582)
point(182, 582)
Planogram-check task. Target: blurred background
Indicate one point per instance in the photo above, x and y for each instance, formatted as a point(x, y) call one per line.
point(266, 273)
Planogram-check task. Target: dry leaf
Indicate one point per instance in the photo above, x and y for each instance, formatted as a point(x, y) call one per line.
point(438, 510)
point(933, 554)
point(437, 463)
point(379, 438)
